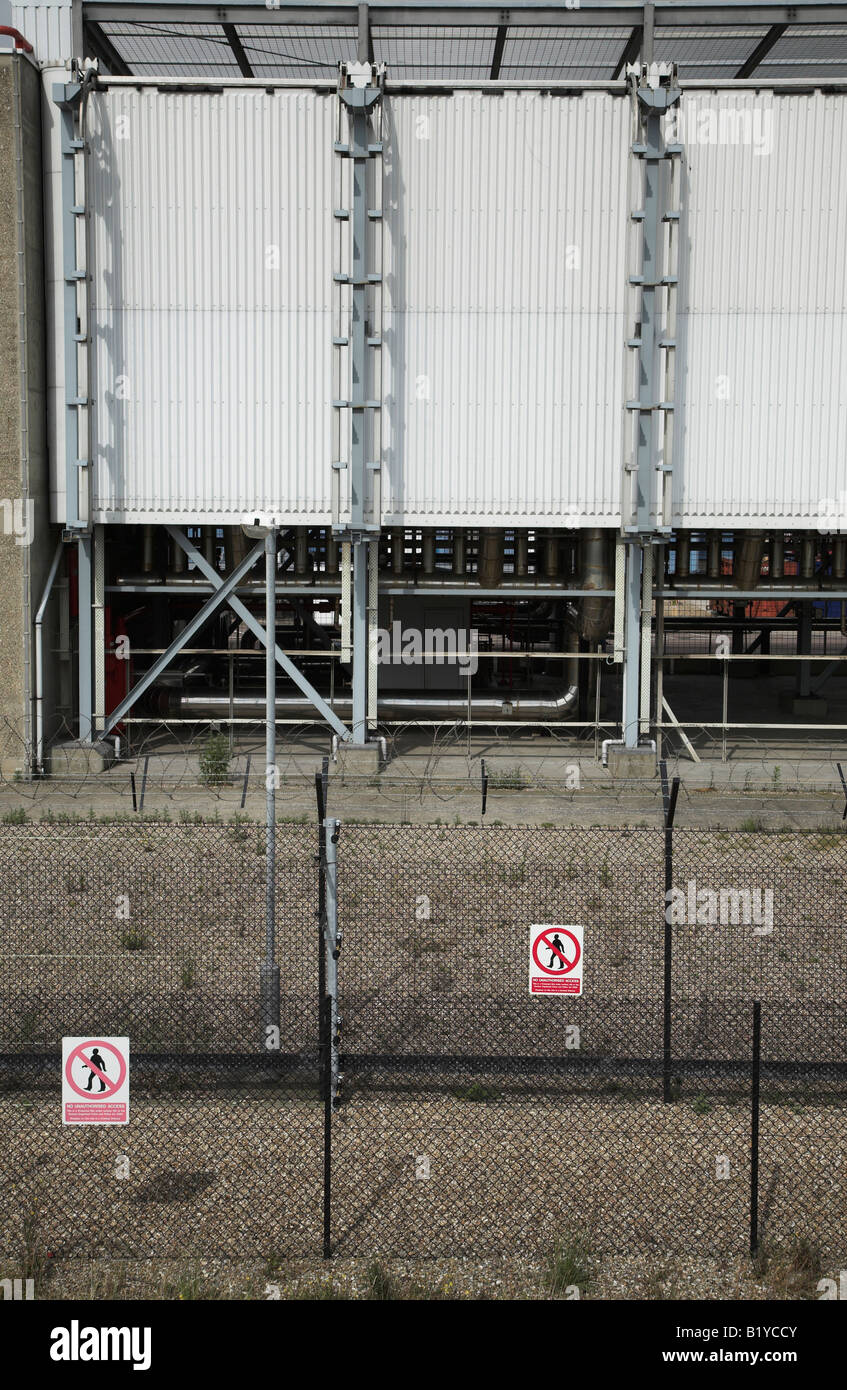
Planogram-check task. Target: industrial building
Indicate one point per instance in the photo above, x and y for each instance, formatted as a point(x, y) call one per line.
point(520, 331)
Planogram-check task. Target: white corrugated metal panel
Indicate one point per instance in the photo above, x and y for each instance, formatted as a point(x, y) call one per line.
point(503, 319)
point(211, 303)
point(504, 371)
point(48, 28)
point(762, 385)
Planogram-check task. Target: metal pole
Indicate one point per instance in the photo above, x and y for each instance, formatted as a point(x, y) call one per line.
point(754, 1130)
point(329, 1012)
point(360, 641)
point(725, 714)
point(84, 616)
point(269, 969)
point(669, 798)
point(332, 945)
point(632, 645)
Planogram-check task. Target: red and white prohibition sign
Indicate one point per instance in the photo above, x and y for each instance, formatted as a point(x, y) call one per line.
point(95, 1081)
point(555, 959)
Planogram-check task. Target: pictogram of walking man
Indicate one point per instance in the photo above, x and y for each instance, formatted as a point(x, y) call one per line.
point(553, 946)
point(101, 1066)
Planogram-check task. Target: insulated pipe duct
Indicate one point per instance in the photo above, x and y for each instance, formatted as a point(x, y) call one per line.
point(428, 551)
point(398, 550)
point(551, 555)
point(683, 553)
point(776, 565)
point(747, 560)
point(595, 614)
point(713, 563)
point(839, 558)
point(521, 554)
point(459, 552)
point(147, 550)
point(400, 707)
point(490, 563)
point(302, 568)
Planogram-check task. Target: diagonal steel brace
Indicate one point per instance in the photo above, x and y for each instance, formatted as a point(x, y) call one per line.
point(211, 605)
point(255, 627)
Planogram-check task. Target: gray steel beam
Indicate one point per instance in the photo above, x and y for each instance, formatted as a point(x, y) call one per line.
point(647, 33)
point(497, 57)
point(231, 35)
point(256, 628)
point(86, 645)
point(590, 13)
point(193, 626)
point(364, 47)
point(761, 50)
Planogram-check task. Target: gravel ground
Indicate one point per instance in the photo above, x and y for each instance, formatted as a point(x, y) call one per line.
point(786, 1275)
point(218, 1179)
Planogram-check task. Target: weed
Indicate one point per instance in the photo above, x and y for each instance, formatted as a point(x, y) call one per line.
point(214, 761)
point(570, 1265)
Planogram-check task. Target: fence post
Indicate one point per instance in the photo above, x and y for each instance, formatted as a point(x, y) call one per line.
point(669, 807)
point(754, 1130)
point(329, 1013)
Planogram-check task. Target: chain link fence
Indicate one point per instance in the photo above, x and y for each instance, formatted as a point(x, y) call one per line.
point(446, 1112)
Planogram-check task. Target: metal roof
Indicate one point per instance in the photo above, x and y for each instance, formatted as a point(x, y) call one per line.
point(422, 41)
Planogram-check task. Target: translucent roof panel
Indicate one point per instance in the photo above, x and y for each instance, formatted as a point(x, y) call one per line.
point(292, 51)
point(821, 45)
point(569, 54)
point(713, 49)
point(177, 48)
point(173, 50)
point(429, 51)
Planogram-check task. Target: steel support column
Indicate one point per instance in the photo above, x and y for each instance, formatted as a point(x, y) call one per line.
point(270, 970)
point(85, 639)
point(360, 641)
point(632, 645)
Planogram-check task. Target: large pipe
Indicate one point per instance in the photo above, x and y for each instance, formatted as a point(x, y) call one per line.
point(595, 614)
point(495, 709)
point(490, 563)
point(39, 660)
point(747, 560)
point(776, 566)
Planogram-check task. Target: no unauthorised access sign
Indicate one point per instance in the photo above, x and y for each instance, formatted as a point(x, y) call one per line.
point(95, 1081)
point(555, 960)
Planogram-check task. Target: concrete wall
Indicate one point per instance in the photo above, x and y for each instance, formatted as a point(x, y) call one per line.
point(27, 540)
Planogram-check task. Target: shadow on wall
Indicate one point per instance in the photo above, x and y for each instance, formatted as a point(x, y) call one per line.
point(394, 327)
point(681, 355)
point(110, 383)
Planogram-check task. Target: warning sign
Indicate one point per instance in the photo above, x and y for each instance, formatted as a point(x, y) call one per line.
point(95, 1081)
point(555, 960)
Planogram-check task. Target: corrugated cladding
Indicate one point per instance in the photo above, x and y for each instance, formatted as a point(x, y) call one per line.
point(212, 296)
point(762, 387)
point(503, 315)
point(505, 263)
point(505, 308)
